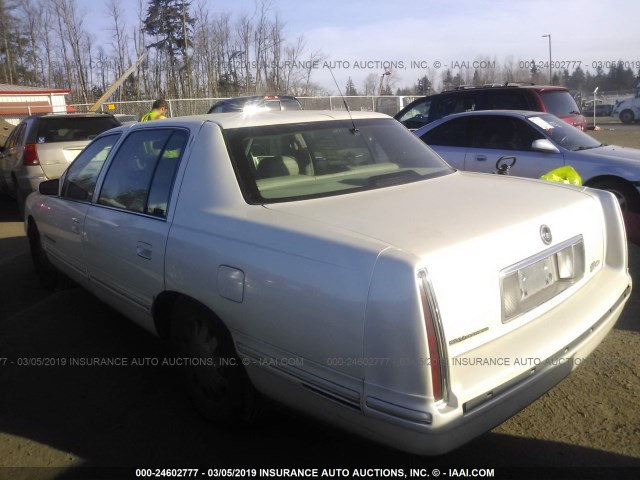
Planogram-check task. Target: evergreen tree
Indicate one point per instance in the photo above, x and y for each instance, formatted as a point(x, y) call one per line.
point(350, 90)
point(170, 23)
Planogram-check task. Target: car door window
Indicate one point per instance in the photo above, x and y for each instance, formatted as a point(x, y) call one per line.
point(453, 133)
point(82, 175)
point(417, 116)
point(525, 135)
point(140, 177)
point(494, 132)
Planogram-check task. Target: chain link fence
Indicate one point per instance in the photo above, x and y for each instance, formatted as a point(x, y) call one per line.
point(130, 111)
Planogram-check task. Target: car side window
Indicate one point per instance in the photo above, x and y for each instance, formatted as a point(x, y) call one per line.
point(417, 116)
point(494, 132)
point(15, 136)
point(506, 100)
point(141, 175)
point(454, 103)
point(525, 135)
point(454, 133)
point(82, 175)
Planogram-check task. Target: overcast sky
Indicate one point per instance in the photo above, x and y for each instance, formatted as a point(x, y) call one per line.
point(362, 36)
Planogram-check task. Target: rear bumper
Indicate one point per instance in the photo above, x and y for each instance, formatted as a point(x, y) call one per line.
point(490, 408)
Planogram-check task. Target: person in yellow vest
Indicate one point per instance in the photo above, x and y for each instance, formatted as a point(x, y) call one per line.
point(158, 111)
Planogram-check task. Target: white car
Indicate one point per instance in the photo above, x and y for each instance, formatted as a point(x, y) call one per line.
point(334, 263)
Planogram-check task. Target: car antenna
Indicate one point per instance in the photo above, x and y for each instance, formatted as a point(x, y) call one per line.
point(353, 130)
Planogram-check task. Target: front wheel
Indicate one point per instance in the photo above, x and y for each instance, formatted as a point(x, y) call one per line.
point(626, 116)
point(214, 376)
point(627, 196)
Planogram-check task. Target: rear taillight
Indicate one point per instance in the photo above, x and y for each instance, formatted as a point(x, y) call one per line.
point(30, 155)
point(435, 340)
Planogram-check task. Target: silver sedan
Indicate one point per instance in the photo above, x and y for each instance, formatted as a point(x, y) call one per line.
point(540, 142)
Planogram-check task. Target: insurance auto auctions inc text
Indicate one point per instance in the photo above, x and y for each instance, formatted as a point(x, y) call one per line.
point(374, 472)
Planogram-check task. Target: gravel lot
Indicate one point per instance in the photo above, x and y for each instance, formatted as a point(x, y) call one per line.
point(55, 419)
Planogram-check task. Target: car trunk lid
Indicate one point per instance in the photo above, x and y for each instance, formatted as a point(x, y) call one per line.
point(487, 225)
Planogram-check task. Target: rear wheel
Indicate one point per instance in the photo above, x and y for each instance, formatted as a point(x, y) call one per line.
point(214, 376)
point(47, 273)
point(626, 116)
point(627, 196)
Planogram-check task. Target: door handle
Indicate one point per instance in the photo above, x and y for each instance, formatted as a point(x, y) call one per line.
point(75, 228)
point(481, 158)
point(144, 250)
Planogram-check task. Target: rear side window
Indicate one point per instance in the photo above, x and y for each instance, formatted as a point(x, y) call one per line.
point(454, 103)
point(290, 104)
point(507, 100)
point(141, 175)
point(559, 103)
point(69, 129)
point(453, 133)
point(17, 136)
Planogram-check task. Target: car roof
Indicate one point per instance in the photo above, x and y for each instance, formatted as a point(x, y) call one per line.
point(482, 113)
point(69, 115)
point(242, 119)
point(474, 88)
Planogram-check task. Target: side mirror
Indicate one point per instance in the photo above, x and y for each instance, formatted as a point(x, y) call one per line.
point(49, 187)
point(544, 145)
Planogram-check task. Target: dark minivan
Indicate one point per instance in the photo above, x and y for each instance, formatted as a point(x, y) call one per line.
point(555, 100)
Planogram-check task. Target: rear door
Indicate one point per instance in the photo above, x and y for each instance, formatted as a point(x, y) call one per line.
point(127, 228)
point(496, 136)
point(450, 140)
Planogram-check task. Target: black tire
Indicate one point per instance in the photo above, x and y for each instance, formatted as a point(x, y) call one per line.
point(626, 116)
point(221, 392)
point(627, 196)
point(47, 274)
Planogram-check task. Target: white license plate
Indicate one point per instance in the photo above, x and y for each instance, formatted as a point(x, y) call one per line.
point(537, 277)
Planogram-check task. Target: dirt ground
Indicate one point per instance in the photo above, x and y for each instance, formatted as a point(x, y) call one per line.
point(58, 421)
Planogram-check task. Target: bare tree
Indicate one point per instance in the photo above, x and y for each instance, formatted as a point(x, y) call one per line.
point(71, 33)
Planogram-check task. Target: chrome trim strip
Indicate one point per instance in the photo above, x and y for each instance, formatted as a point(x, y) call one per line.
point(445, 375)
point(318, 385)
point(540, 256)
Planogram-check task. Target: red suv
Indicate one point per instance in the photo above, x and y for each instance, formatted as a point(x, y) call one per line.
point(537, 98)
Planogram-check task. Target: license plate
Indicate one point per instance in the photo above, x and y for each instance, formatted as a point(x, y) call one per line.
point(535, 278)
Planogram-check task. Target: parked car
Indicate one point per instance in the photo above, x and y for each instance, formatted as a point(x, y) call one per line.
point(256, 102)
point(541, 142)
point(555, 100)
point(628, 110)
point(332, 262)
point(42, 146)
point(602, 110)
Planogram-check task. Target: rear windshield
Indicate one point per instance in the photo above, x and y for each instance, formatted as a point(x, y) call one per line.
point(279, 163)
point(69, 129)
point(559, 103)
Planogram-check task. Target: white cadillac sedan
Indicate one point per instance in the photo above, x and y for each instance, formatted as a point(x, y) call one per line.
point(336, 264)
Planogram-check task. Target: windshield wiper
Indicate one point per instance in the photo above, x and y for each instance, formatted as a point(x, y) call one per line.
point(395, 178)
point(579, 149)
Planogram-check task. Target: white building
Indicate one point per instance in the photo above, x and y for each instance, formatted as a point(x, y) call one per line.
point(18, 102)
